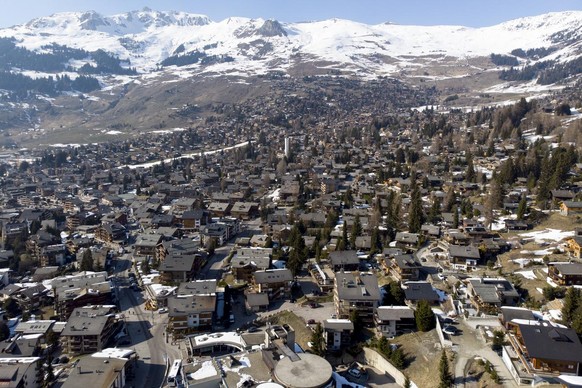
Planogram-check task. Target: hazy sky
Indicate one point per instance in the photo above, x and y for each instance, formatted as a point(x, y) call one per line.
point(472, 13)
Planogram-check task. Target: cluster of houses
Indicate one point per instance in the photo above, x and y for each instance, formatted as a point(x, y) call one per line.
point(102, 201)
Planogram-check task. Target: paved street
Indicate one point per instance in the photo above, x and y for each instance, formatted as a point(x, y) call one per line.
point(146, 331)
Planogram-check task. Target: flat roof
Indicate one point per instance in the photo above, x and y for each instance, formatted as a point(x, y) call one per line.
point(309, 371)
point(95, 372)
point(228, 338)
point(114, 353)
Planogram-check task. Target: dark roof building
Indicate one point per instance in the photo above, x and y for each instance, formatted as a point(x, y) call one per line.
point(416, 291)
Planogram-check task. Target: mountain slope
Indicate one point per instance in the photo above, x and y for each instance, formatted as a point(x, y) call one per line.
point(146, 38)
point(73, 75)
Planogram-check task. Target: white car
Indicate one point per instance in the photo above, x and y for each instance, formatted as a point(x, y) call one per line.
point(163, 310)
point(355, 372)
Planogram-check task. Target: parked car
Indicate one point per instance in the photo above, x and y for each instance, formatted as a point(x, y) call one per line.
point(163, 310)
point(311, 322)
point(355, 372)
point(314, 305)
point(451, 330)
point(448, 321)
point(252, 329)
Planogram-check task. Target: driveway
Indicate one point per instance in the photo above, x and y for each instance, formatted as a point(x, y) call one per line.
point(470, 345)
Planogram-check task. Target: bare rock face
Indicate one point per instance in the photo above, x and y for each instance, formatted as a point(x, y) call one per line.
point(271, 28)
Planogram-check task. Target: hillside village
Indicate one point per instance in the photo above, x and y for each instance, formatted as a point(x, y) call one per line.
point(312, 232)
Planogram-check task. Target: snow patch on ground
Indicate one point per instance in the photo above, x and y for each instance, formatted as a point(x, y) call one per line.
point(166, 131)
point(206, 370)
point(274, 196)
point(548, 234)
point(341, 381)
point(527, 274)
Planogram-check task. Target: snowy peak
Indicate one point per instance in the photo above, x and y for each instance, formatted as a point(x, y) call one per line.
point(146, 39)
point(257, 27)
point(550, 22)
point(158, 19)
point(271, 28)
point(92, 20)
point(133, 22)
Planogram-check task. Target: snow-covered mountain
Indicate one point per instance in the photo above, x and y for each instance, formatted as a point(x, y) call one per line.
point(144, 39)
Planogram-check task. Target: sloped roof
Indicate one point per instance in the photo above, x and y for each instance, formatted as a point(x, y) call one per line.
point(551, 343)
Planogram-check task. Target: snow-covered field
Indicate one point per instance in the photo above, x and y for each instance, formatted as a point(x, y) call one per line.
point(547, 235)
point(527, 274)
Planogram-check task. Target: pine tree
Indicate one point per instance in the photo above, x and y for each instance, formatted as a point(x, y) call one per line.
point(415, 211)
point(384, 347)
point(577, 320)
point(87, 261)
point(494, 200)
point(425, 320)
point(445, 377)
point(294, 262)
point(393, 294)
point(392, 214)
point(345, 233)
point(434, 215)
point(471, 175)
point(375, 243)
point(397, 358)
point(544, 190)
point(145, 267)
point(356, 231)
point(508, 172)
point(455, 217)
point(317, 340)
point(397, 293)
point(571, 303)
point(522, 208)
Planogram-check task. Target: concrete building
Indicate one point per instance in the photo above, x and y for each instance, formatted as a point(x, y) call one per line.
point(98, 372)
point(90, 288)
point(394, 320)
point(89, 329)
point(19, 372)
point(354, 291)
point(247, 261)
point(276, 283)
point(190, 313)
point(337, 333)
